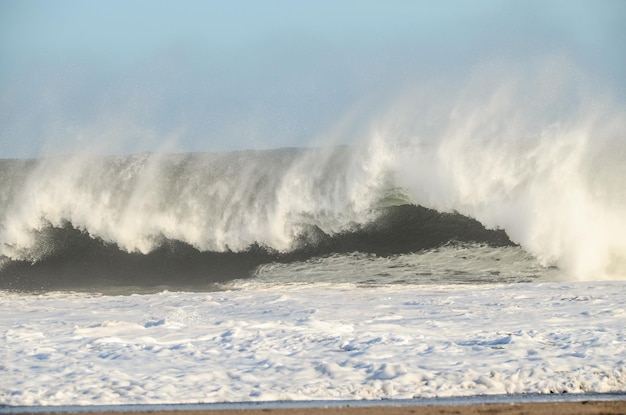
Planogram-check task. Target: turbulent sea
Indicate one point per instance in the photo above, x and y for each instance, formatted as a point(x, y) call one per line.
point(147, 222)
point(150, 222)
point(478, 253)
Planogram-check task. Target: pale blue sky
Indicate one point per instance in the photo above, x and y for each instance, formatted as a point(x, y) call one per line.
point(222, 75)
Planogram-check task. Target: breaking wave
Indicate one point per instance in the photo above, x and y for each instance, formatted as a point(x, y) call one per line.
point(434, 166)
point(191, 219)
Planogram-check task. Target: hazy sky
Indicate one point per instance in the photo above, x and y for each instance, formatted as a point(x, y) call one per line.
point(131, 75)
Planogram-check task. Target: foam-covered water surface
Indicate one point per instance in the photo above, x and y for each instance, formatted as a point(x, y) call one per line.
point(314, 342)
point(449, 264)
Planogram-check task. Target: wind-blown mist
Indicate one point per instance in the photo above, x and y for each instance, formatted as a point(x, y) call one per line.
point(539, 155)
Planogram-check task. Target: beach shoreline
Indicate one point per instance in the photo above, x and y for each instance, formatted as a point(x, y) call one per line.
point(605, 403)
point(539, 408)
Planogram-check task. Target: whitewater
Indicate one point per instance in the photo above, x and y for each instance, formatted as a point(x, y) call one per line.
point(313, 342)
point(469, 242)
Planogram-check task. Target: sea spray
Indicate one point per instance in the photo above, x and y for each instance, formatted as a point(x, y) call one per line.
point(545, 164)
point(189, 221)
point(537, 156)
point(214, 202)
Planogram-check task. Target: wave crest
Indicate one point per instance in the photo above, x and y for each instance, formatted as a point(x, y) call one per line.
point(75, 260)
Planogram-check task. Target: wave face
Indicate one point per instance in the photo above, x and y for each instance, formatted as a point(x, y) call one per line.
point(193, 220)
point(438, 164)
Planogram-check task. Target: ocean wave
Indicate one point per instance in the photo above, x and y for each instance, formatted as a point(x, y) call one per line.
point(75, 260)
point(546, 168)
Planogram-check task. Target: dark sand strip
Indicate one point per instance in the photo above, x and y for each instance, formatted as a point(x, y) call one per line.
point(542, 408)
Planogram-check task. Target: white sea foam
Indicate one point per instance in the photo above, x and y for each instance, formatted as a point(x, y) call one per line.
point(313, 342)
